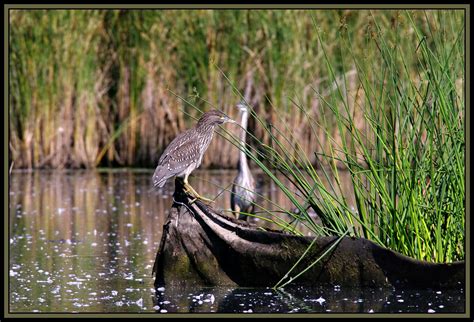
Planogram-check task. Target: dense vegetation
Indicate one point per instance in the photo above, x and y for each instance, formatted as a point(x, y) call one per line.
point(378, 93)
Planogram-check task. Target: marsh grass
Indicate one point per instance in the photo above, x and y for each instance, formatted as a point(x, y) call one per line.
point(79, 77)
point(399, 131)
point(377, 93)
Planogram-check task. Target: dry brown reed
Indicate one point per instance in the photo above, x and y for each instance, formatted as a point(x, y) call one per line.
point(92, 88)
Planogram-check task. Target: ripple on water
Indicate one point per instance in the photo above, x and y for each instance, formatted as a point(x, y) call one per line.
point(90, 247)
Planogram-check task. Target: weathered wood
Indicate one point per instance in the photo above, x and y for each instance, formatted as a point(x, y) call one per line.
point(200, 246)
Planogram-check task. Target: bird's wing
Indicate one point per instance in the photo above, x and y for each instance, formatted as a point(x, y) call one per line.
point(177, 143)
point(179, 154)
point(188, 152)
point(164, 169)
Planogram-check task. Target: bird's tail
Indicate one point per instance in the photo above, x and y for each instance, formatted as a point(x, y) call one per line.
point(159, 177)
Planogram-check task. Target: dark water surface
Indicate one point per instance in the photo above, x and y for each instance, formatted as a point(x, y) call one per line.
point(85, 241)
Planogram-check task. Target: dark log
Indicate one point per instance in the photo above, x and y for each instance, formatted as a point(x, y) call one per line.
point(202, 247)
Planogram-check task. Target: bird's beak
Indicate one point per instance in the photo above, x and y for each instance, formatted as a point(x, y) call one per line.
point(231, 121)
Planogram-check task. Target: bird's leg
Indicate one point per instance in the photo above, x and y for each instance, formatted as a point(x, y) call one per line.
point(190, 190)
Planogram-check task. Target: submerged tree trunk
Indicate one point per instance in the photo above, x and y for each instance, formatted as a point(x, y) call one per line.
point(200, 246)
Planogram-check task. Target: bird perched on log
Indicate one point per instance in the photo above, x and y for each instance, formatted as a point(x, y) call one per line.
point(185, 152)
point(243, 188)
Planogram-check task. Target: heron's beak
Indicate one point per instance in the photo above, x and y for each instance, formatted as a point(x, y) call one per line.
point(231, 121)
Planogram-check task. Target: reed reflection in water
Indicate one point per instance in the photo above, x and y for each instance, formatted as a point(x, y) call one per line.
point(87, 240)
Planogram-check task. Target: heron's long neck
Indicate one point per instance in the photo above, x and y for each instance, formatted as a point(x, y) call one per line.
point(243, 166)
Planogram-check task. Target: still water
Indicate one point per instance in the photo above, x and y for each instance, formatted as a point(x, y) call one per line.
point(85, 241)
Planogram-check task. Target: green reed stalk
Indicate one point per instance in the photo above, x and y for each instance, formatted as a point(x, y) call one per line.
point(406, 160)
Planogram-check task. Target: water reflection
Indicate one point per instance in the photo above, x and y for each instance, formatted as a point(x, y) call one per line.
point(305, 300)
point(85, 241)
point(80, 239)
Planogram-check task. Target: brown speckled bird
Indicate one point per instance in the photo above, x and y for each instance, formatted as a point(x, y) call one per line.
point(185, 152)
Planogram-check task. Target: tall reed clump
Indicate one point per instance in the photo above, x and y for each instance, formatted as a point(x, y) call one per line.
point(407, 162)
point(394, 117)
point(96, 87)
point(56, 87)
